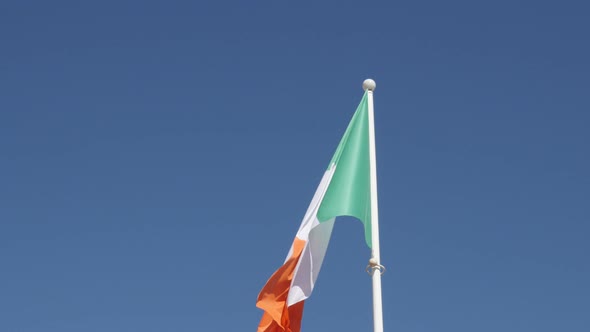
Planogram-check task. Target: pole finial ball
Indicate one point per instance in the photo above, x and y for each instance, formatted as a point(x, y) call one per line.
point(369, 84)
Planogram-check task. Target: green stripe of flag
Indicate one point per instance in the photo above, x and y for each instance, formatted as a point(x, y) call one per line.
point(349, 192)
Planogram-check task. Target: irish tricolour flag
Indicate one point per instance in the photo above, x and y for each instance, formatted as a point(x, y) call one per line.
point(345, 190)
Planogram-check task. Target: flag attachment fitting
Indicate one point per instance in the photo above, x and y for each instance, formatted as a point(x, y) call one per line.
point(374, 265)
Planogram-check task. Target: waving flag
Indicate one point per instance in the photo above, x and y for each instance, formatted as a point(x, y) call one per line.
point(345, 190)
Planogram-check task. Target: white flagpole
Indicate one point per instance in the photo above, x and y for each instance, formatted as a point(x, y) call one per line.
point(375, 269)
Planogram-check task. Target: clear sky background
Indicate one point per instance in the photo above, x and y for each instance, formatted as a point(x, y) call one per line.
point(156, 159)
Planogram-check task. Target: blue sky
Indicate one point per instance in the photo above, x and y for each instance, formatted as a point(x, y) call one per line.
point(156, 158)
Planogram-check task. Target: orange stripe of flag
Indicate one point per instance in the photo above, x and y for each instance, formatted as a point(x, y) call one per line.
point(278, 317)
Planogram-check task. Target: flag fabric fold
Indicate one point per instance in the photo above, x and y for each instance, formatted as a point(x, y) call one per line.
point(344, 190)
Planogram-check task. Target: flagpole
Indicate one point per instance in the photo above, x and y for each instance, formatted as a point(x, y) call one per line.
point(374, 268)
